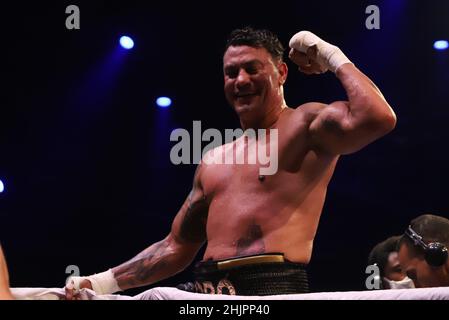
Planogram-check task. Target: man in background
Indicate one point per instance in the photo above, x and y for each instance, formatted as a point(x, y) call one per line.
point(423, 252)
point(385, 256)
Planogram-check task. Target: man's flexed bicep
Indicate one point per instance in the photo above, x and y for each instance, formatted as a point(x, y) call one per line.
point(341, 127)
point(344, 127)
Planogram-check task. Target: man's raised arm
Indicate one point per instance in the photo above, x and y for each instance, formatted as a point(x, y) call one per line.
point(342, 127)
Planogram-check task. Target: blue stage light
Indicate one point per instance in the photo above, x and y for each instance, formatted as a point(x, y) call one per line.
point(2, 186)
point(126, 42)
point(163, 102)
point(441, 45)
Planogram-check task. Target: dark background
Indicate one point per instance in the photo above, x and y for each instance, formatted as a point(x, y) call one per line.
point(84, 151)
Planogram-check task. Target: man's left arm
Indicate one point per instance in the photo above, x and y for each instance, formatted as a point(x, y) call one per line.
point(342, 127)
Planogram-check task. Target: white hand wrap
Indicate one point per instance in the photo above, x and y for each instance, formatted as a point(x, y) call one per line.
point(329, 57)
point(102, 283)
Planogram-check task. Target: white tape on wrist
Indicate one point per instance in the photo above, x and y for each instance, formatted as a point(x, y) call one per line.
point(329, 56)
point(102, 283)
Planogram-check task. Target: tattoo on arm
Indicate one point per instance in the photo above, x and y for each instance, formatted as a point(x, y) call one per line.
point(193, 225)
point(155, 262)
point(140, 269)
point(331, 125)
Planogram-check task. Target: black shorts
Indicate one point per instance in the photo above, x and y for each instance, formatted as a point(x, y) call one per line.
point(260, 275)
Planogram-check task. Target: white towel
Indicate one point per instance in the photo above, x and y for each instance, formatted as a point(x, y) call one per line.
point(175, 294)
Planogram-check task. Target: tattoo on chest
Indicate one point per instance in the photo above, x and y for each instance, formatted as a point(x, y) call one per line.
point(252, 242)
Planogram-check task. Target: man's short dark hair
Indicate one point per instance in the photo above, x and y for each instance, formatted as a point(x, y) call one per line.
point(431, 228)
point(381, 251)
point(257, 38)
